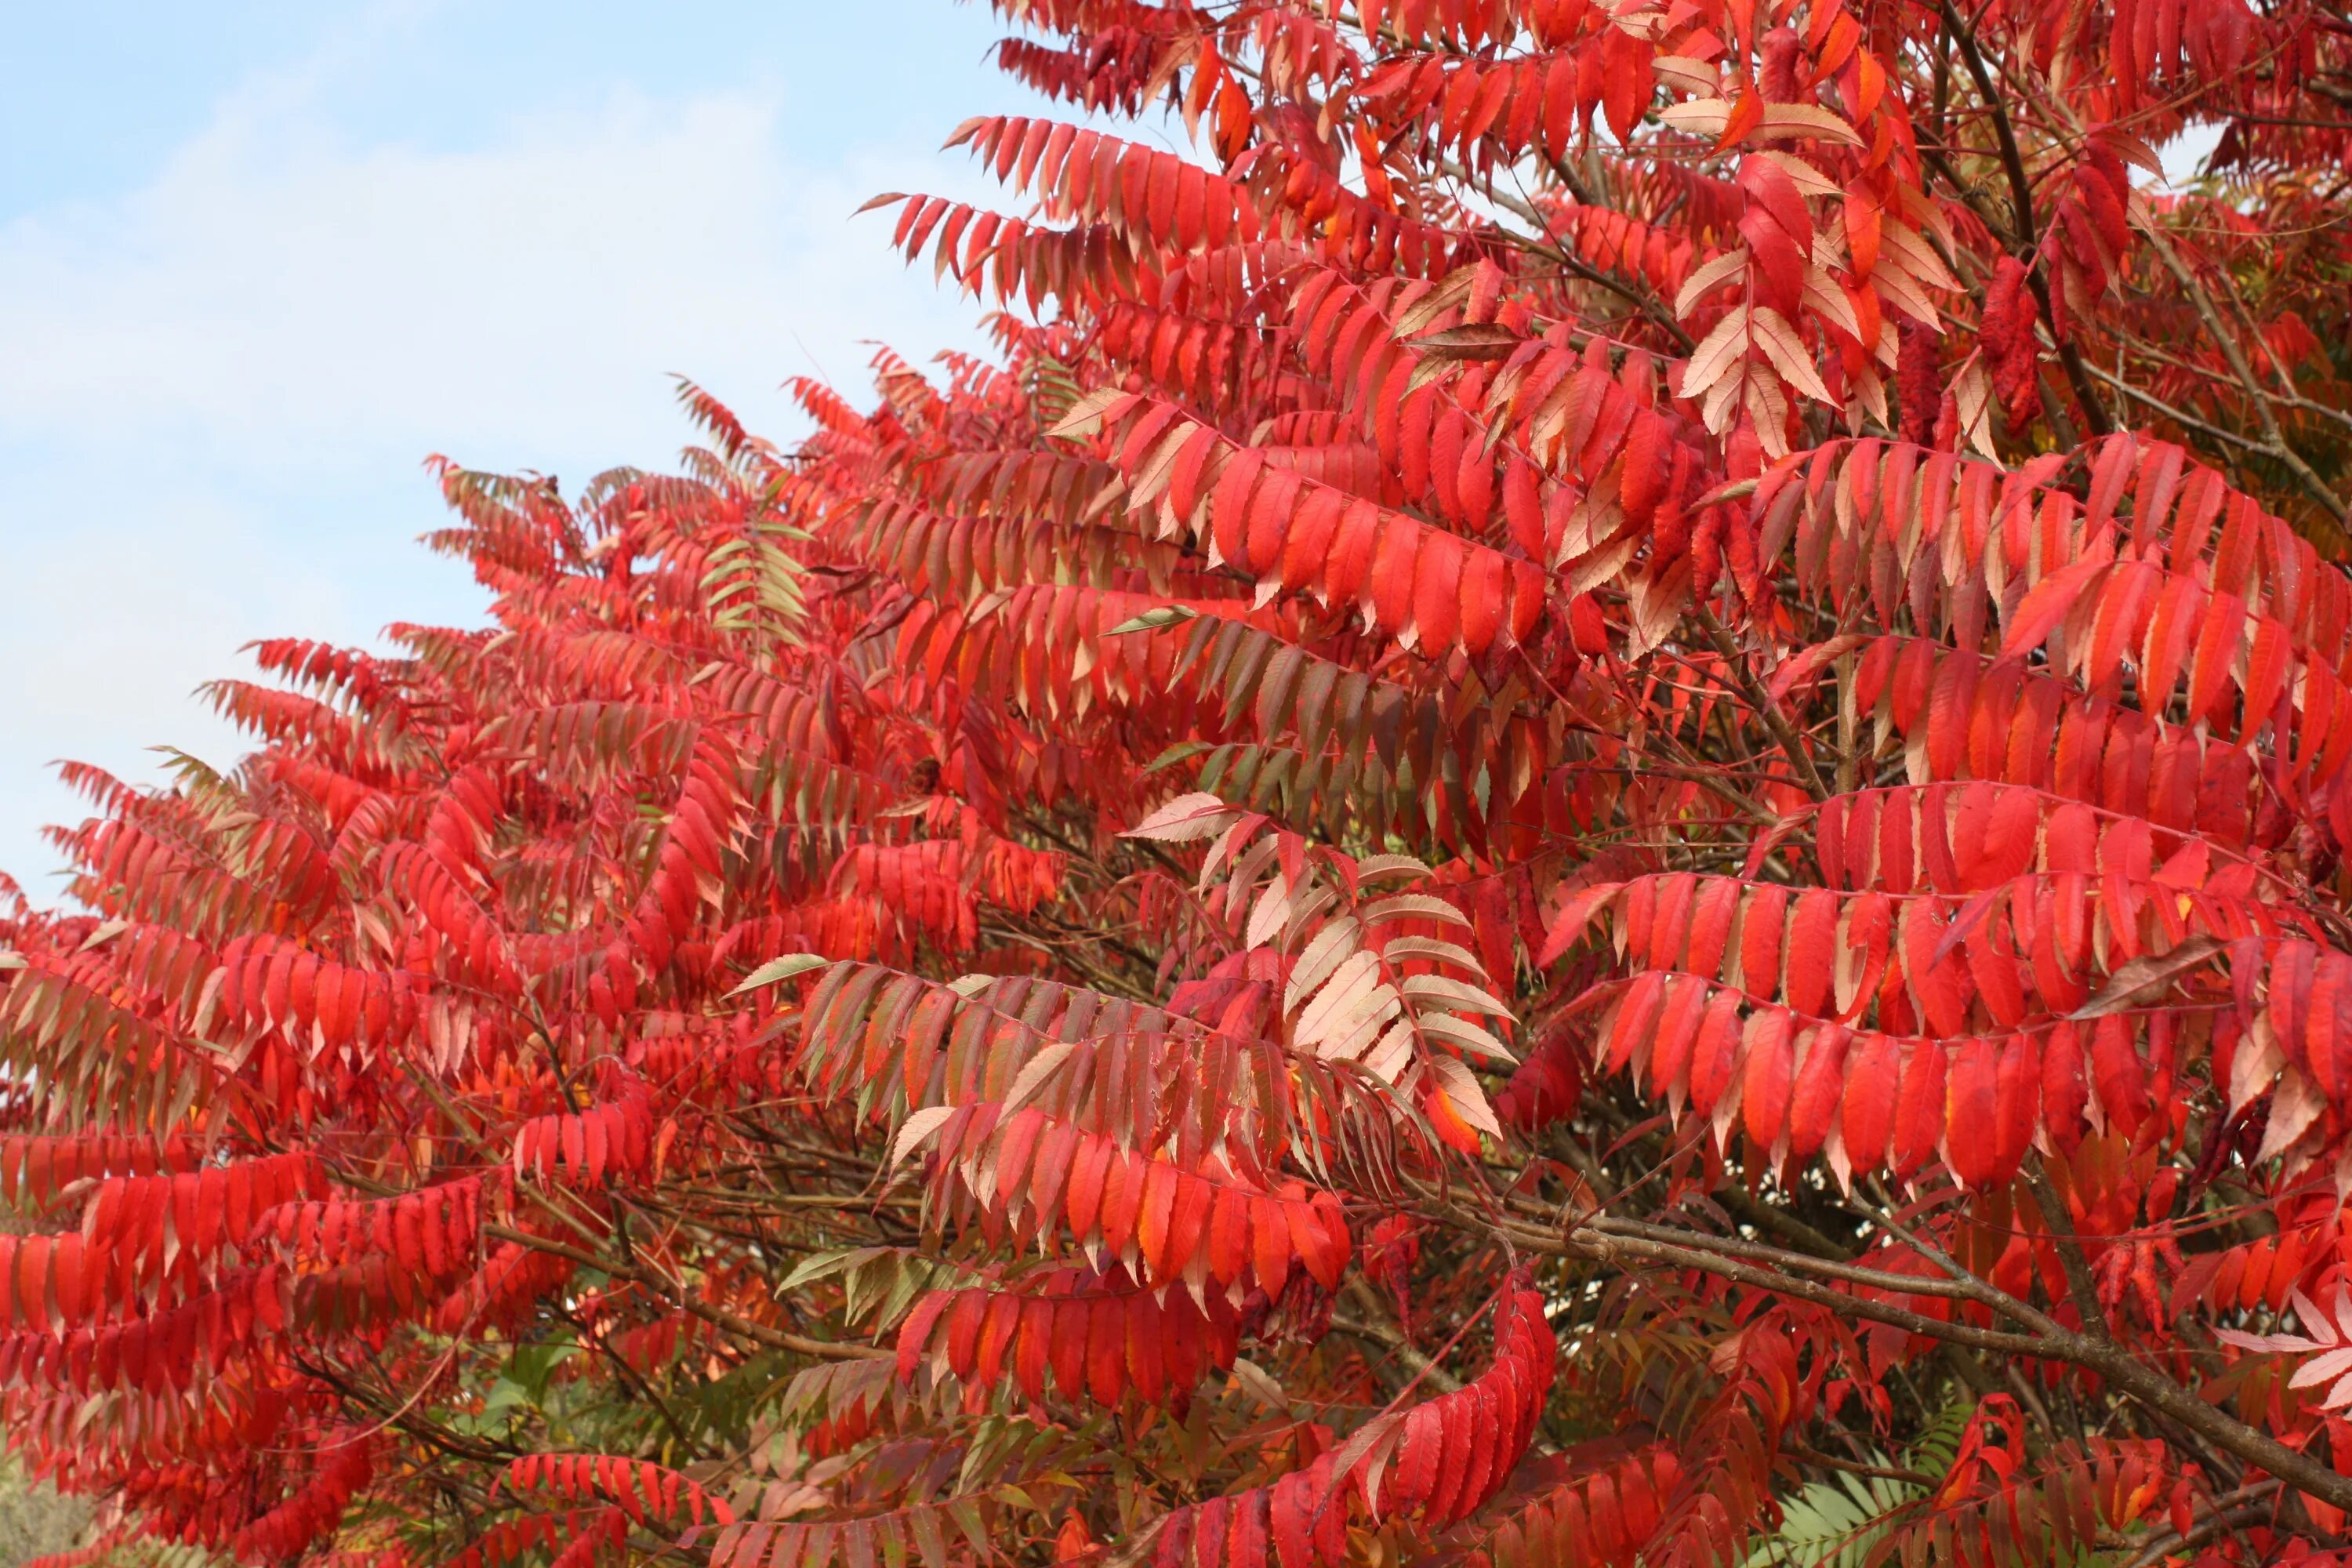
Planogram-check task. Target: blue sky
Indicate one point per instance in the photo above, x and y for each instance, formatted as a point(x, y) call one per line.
point(258, 259)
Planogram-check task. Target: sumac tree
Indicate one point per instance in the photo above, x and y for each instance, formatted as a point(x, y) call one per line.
point(1591, 811)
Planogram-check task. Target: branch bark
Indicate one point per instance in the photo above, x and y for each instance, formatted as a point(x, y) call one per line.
point(1616, 1243)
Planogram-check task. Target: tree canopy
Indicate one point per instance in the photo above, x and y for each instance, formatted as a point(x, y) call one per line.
point(1589, 810)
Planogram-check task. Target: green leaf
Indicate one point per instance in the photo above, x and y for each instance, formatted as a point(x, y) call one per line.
point(1176, 754)
point(1152, 619)
point(505, 1395)
point(784, 968)
point(821, 1265)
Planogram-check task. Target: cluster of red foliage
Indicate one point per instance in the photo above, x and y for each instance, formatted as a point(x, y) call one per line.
point(1593, 813)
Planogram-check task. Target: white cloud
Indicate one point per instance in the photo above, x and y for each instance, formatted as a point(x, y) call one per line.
point(216, 390)
point(107, 632)
point(278, 296)
point(2186, 153)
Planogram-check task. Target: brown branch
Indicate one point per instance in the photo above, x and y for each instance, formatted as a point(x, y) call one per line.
point(1761, 701)
point(776, 1339)
point(2277, 445)
point(2021, 194)
point(1608, 1243)
point(1376, 1326)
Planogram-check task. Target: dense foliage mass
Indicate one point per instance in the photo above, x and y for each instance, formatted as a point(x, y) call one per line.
point(1594, 812)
